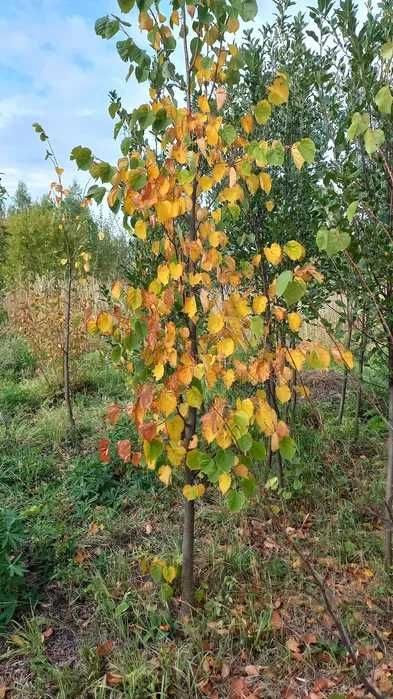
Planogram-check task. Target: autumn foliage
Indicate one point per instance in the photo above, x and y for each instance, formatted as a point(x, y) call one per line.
point(212, 359)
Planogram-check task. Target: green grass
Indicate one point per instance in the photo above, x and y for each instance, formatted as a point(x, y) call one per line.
point(89, 525)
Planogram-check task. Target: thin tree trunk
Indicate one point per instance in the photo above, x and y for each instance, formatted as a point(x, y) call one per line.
point(363, 347)
point(187, 580)
point(346, 373)
point(388, 509)
point(66, 346)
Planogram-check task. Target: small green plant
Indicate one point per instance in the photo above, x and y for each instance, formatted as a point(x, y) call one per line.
point(11, 567)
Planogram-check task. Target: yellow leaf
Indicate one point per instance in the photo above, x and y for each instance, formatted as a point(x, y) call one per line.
point(248, 123)
point(176, 270)
point(297, 157)
point(116, 290)
point(176, 454)
point(295, 358)
point(163, 274)
point(278, 92)
point(140, 229)
point(266, 419)
point(167, 402)
point(169, 572)
point(283, 393)
point(265, 182)
point(269, 205)
point(294, 250)
point(211, 135)
point(164, 210)
point(105, 323)
point(194, 397)
point(158, 371)
point(229, 378)
point(205, 183)
point(165, 474)
point(91, 326)
point(226, 346)
point(175, 427)
point(192, 492)
point(218, 172)
point(190, 307)
point(294, 321)
point(224, 482)
point(259, 304)
point(216, 215)
point(273, 254)
point(134, 298)
point(203, 104)
point(215, 323)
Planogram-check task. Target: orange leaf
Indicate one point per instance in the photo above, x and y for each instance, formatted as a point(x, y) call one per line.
point(113, 413)
point(124, 450)
point(103, 450)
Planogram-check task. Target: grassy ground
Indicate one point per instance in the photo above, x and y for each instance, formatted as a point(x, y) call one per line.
point(91, 623)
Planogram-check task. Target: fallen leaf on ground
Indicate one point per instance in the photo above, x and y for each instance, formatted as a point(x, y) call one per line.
point(112, 679)
point(104, 649)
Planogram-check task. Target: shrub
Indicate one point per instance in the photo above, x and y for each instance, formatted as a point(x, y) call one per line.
point(16, 358)
point(11, 567)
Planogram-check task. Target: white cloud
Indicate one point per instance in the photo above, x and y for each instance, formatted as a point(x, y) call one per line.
point(58, 72)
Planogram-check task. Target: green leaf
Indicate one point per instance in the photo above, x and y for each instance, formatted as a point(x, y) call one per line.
point(126, 5)
point(236, 500)
point(82, 156)
point(228, 134)
point(257, 326)
point(126, 145)
point(107, 27)
point(373, 140)
point(101, 170)
point(282, 281)
point(245, 443)
point(294, 291)
point(97, 193)
point(258, 451)
point(137, 180)
point(384, 99)
point(154, 449)
point(287, 448)
point(351, 211)
point(248, 487)
point(197, 460)
point(262, 112)
point(359, 124)
point(306, 148)
point(387, 51)
point(224, 460)
point(276, 154)
point(248, 10)
point(332, 240)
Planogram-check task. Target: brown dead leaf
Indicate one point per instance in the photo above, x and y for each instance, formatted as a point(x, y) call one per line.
point(3, 691)
point(81, 556)
point(148, 528)
point(104, 649)
point(276, 620)
point(239, 688)
point(207, 689)
point(225, 670)
point(251, 670)
point(113, 678)
point(221, 95)
point(47, 633)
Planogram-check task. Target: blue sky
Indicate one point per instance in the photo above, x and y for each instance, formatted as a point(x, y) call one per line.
point(55, 70)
